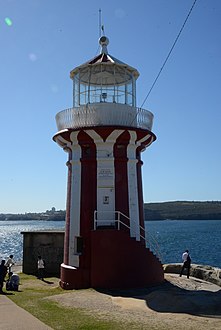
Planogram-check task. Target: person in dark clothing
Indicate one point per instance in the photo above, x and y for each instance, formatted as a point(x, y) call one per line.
point(3, 272)
point(12, 283)
point(186, 263)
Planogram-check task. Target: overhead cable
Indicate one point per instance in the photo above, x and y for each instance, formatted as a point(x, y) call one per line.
point(164, 63)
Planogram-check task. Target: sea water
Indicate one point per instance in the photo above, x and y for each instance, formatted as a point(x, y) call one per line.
point(201, 238)
point(11, 239)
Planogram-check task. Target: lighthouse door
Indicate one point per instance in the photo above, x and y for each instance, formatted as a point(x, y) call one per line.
point(105, 207)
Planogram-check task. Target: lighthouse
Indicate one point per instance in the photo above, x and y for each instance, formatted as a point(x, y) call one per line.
point(104, 134)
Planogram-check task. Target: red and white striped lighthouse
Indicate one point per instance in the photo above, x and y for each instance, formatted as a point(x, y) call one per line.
point(104, 134)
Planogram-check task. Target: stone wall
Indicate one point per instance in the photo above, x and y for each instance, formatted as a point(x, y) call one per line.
point(206, 273)
point(49, 245)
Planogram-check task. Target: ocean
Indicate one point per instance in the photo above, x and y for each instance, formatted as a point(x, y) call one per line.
point(201, 238)
point(11, 239)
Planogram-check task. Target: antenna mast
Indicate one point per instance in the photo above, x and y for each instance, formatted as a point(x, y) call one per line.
point(99, 23)
point(101, 26)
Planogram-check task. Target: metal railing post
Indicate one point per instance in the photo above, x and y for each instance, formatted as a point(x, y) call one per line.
point(149, 240)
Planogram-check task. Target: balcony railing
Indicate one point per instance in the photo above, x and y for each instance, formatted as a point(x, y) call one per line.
point(104, 114)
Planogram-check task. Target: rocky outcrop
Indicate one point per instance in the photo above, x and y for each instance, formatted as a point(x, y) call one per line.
point(206, 273)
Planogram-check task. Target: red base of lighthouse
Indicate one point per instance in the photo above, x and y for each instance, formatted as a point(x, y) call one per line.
point(74, 278)
point(117, 262)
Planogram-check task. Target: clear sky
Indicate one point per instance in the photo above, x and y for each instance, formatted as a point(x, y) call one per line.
point(41, 41)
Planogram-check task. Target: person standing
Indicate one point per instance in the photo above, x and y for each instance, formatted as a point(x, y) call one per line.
point(3, 272)
point(186, 263)
point(41, 268)
point(9, 263)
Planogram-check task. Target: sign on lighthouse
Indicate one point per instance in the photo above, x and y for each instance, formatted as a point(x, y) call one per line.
point(104, 134)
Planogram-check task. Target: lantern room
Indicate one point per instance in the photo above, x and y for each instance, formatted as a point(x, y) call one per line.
point(104, 79)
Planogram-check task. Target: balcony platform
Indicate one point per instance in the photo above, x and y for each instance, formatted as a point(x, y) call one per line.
point(104, 114)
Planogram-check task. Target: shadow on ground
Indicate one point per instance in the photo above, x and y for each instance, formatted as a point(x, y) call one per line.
point(48, 282)
point(171, 298)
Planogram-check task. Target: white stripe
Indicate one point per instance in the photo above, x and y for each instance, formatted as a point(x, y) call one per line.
point(105, 164)
point(75, 199)
point(132, 187)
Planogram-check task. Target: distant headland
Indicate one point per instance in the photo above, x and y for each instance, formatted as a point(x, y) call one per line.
point(176, 210)
point(183, 210)
point(50, 215)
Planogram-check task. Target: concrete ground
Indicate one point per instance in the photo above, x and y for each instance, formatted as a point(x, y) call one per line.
point(14, 317)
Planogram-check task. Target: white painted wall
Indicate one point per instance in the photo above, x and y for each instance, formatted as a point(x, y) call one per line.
point(75, 199)
point(132, 186)
point(105, 177)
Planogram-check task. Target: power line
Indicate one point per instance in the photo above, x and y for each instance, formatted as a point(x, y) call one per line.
point(164, 63)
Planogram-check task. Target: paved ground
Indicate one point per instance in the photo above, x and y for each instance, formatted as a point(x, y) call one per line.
point(13, 317)
point(16, 318)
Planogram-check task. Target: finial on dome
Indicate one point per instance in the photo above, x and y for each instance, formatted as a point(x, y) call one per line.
point(104, 41)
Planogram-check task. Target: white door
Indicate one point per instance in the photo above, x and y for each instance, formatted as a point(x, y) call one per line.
point(105, 206)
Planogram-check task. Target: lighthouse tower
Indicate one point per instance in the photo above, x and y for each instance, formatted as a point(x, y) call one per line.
point(104, 134)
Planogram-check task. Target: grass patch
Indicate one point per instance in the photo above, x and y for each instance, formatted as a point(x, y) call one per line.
point(32, 297)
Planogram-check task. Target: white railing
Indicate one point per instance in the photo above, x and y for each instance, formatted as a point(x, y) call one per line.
point(150, 241)
point(104, 114)
point(111, 218)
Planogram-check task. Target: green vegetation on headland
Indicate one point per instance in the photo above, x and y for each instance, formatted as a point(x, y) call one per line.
point(183, 210)
point(48, 215)
point(179, 210)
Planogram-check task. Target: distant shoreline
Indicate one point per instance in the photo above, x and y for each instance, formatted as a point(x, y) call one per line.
point(177, 210)
point(22, 219)
point(199, 219)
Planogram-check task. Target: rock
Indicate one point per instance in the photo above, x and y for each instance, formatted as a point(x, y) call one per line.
point(203, 272)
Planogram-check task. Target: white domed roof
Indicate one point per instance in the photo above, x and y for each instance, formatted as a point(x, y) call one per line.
point(105, 59)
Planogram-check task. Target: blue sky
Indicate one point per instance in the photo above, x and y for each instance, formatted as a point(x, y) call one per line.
point(46, 39)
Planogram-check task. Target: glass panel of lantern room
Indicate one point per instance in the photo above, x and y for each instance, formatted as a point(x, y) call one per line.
point(84, 85)
point(107, 94)
point(91, 98)
point(126, 99)
point(95, 81)
point(129, 90)
point(76, 90)
point(111, 94)
point(83, 94)
point(120, 94)
point(114, 86)
point(96, 94)
point(134, 92)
